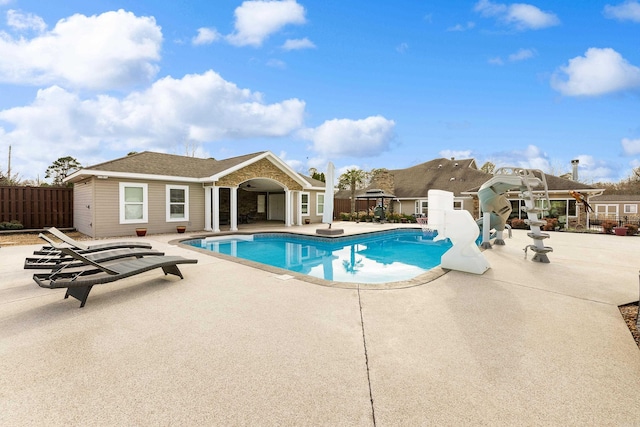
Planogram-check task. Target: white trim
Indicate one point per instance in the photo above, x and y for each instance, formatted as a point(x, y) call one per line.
point(168, 189)
point(606, 206)
point(302, 194)
point(129, 175)
point(633, 208)
point(318, 195)
point(145, 203)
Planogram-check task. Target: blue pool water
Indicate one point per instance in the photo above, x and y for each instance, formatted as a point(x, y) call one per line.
point(380, 257)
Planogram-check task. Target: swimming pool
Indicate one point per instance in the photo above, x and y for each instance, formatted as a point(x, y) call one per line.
point(379, 257)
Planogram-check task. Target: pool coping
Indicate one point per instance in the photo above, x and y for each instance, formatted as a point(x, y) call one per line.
point(285, 274)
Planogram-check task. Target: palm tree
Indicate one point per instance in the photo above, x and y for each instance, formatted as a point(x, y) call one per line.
point(353, 179)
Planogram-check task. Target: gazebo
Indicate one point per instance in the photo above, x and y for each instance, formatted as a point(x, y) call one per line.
point(375, 194)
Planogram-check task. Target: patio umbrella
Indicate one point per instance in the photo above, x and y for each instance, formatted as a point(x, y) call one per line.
point(327, 214)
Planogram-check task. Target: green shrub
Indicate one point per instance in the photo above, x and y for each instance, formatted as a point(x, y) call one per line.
point(408, 218)
point(393, 217)
point(13, 225)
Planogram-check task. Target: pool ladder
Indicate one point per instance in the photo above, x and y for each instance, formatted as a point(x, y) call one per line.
point(534, 222)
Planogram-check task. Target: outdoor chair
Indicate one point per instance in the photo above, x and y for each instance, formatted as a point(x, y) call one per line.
point(58, 260)
point(80, 281)
point(88, 248)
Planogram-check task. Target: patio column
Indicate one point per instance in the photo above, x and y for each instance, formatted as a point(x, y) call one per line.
point(299, 208)
point(207, 208)
point(216, 208)
point(233, 209)
point(287, 208)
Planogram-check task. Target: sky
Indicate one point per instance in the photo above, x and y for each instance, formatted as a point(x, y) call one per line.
point(364, 84)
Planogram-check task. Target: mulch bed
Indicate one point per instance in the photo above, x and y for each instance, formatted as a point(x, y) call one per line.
point(630, 314)
point(19, 239)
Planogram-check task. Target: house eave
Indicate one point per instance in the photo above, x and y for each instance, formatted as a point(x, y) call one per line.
point(101, 174)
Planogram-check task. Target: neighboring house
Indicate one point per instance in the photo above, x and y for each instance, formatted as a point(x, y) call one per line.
point(161, 191)
point(622, 207)
point(410, 187)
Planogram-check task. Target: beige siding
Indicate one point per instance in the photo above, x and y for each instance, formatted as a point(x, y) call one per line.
point(107, 209)
point(313, 207)
point(405, 207)
point(84, 207)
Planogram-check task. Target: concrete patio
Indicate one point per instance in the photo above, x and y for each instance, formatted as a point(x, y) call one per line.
point(524, 344)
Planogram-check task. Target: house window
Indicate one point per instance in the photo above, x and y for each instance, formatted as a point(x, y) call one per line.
point(262, 203)
point(631, 209)
point(422, 207)
point(320, 204)
point(304, 207)
point(457, 205)
point(133, 203)
point(177, 203)
point(606, 211)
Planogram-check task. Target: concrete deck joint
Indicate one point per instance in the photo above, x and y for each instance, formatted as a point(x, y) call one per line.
point(366, 359)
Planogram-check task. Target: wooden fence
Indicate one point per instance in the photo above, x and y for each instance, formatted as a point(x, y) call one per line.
point(37, 207)
point(344, 205)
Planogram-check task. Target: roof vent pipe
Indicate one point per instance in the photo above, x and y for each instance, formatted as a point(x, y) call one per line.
point(574, 170)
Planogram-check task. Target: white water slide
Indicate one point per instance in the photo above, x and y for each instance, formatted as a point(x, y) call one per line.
point(496, 208)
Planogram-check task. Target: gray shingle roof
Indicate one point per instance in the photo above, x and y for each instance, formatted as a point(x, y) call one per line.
point(438, 174)
point(555, 184)
point(457, 176)
point(616, 198)
point(152, 163)
point(314, 182)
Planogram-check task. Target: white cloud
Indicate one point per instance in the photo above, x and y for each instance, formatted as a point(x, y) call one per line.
point(628, 10)
point(276, 63)
point(532, 157)
point(356, 138)
point(520, 55)
point(598, 72)
point(21, 22)
point(402, 48)
point(198, 108)
point(297, 44)
point(460, 27)
point(592, 170)
point(206, 36)
point(529, 158)
point(520, 16)
point(631, 147)
point(257, 20)
point(111, 50)
point(294, 164)
point(457, 154)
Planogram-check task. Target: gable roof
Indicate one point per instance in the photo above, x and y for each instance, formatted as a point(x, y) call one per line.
point(152, 165)
point(461, 177)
